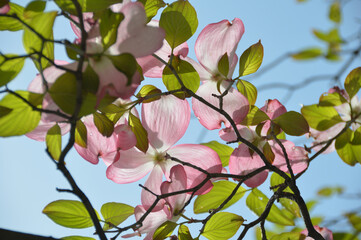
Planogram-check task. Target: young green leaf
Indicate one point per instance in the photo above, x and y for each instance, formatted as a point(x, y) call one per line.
point(77, 238)
point(320, 118)
point(344, 236)
point(353, 82)
point(108, 26)
point(331, 99)
point(186, 73)
point(329, 191)
point(223, 65)
point(292, 123)
point(307, 54)
point(223, 151)
point(81, 137)
point(287, 236)
point(115, 213)
point(53, 141)
point(86, 5)
point(332, 36)
point(251, 59)
point(348, 147)
point(219, 193)
point(335, 12)
point(151, 7)
point(21, 118)
point(139, 132)
point(164, 230)
point(68, 213)
point(42, 23)
point(355, 221)
point(248, 90)
point(257, 201)
point(149, 90)
point(183, 233)
point(180, 22)
point(10, 68)
point(103, 124)
point(222, 226)
point(254, 117)
point(12, 24)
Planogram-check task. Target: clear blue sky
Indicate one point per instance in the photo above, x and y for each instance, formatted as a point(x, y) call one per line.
point(28, 178)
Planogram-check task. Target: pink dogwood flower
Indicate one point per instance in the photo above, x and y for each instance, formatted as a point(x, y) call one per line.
point(244, 161)
point(152, 67)
point(213, 42)
point(166, 121)
point(106, 147)
point(325, 232)
point(172, 207)
point(48, 120)
point(134, 36)
point(5, 9)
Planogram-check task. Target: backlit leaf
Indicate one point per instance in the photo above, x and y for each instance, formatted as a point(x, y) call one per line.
point(151, 7)
point(292, 123)
point(115, 213)
point(21, 119)
point(320, 118)
point(331, 99)
point(353, 82)
point(248, 90)
point(77, 238)
point(68, 213)
point(12, 24)
point(254, 117)
point(307, 54)
point(183, 233)
point(10, 68)
point(139, 132)
point(126, 64)
point(348, 146)
point(147, 91)
point(223, 65)
point(103, 124)
point(251, 59)
point(257, 201)
point(81, 134)
point(108, 27)
point(222, 225)
point(219, 193)
point(53, 141)
point(179, 20)
point(335, 12)
point(86, 5)
point(164, 230)
point(223, 151)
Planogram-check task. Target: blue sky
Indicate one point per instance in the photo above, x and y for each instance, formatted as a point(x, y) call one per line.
point(28, 178)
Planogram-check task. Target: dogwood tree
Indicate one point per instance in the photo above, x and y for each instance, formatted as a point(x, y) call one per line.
point(102, 99)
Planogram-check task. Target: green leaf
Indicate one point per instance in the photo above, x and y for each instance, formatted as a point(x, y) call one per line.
point(321, 118)
point(81, 137)
point(248, 90)
point(53, 141)
point(286, 236)
point(103, 124)
point(292, 123)
point(164, 230)
point(86, 5)
point(21, 119)
point(223, 65)
point(4, 111)
point(10, 68)
point(277, 180)
point(108, 26)
point(348, 146)
point(335, 12)
point(307, 54)
point(64, 93)
point(149, 90)
point(219, 193)
point(223, 151)
point(344, 236)
point(183, 233)
point(179, 20)
point(251, 59)
point(355, 221)
point(151, 7)
point(257, 201)
point(115, 213)
point(254, 117)
point(329, 191)
point(139, 132)
point(12, 24)
point(68, 213)
point(126, 64)
point(77, 238)
point(42, 23)
point(185, 71)
point(222, 225)
point(332, 36)
point(353, 82)
point(34, 8)
point(331, 99)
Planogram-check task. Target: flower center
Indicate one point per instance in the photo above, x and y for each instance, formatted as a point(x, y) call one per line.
point(159, 158)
